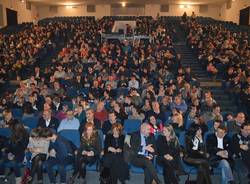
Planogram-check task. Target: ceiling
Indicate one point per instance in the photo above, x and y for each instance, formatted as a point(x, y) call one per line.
point(79, 2)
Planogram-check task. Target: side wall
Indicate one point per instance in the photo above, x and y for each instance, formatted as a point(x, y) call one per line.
point(177, 10)
point(233, 13)
point(23, 15)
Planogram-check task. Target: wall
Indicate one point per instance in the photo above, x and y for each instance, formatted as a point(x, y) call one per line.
point(23, 15)
point(215, 11)
point(176, 10)
point(233, 13)
point(101, 10)
point(105, 10)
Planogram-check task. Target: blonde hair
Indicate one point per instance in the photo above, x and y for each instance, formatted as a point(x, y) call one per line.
point(173, 137)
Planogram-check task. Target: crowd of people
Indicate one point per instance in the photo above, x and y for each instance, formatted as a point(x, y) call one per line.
point(94, 86)
point(223, 52)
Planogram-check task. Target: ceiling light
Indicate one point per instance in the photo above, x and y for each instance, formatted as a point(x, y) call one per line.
point(123, 4)
point(68, 6)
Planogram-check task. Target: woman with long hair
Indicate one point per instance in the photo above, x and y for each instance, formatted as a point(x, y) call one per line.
point(169, 154)
point(14, 150)
point(88, 152)
point(196, 154)
point(113, 154)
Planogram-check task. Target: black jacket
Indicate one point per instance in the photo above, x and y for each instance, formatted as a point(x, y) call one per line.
point(238, 139)
point(135, 143)
point(54, 123)
point(164, 147)
point(110, 141)
point(212, 148)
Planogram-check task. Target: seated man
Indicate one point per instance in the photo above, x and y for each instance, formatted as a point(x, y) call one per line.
point(235, 126)
point(47, 121)
point(107, 125)
point(143, 147)
point(90, 118)
point(69, 123)
point(61, 153)
point(240, 145)
point(218, 150)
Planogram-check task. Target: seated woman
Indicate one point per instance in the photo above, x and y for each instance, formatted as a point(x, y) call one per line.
point(169, 154)
point(155, 126)
point(88, 152)
point(177, 121)
point(196, 154)
point(136, 114)
point(38, 146)
point(14, 149)
point(113, 154)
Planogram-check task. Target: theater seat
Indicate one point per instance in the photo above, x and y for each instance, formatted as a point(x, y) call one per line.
point(30, 122)
point(5, 132)
point(131, 125)
point(71, 135)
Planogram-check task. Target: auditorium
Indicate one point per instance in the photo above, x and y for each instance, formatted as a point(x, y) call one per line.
point(125, 92)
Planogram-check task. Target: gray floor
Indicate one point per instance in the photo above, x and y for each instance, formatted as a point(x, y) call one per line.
point(93, 178)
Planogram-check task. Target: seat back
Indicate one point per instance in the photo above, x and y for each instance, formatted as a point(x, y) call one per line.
point(17, 113)
point(71, 135)
point(5, 132)
point(30, 122)
point(132, 125)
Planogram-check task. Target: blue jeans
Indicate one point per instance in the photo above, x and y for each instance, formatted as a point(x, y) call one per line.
point(52, 161)
point(241, 170)
point(226, 172)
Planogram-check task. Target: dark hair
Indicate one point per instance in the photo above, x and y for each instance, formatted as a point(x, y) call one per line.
point(222, 127)
point(18, 132)
point(27, 109)
point(193, 129)
point(243, 125)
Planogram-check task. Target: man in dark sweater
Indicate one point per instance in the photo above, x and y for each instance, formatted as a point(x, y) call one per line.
point(61, 153)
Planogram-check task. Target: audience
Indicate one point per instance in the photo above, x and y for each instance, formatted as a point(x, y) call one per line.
point(93, 85)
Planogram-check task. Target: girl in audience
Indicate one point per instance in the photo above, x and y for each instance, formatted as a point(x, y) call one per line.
point(196, 154)
point(113, 154)
point(88, 152)
point(155, 125)
point(169, 154)
point(14, 150)
point(38, 146)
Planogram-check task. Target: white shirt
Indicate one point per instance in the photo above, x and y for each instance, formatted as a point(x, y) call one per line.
point(47, 122)
point(220, 143)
